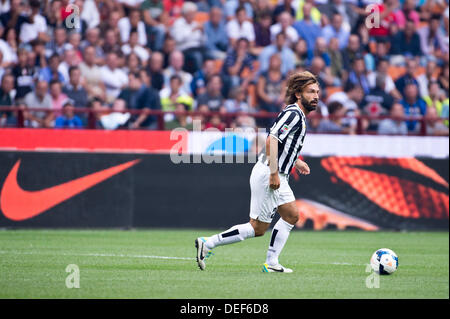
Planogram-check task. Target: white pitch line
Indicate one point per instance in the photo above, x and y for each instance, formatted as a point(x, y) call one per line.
point(96, 255)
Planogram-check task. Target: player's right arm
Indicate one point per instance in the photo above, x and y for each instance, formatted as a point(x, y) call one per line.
point(271, 153)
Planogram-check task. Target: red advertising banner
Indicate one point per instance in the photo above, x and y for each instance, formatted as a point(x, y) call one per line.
point(121, 141)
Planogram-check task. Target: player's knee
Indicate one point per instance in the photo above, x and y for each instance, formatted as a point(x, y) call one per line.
point(292, 219)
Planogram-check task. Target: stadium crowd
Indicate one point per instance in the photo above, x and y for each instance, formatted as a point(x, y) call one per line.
point(372, 58)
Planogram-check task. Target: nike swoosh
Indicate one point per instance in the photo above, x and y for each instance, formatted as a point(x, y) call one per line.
point(275, 269)
point(18, 204)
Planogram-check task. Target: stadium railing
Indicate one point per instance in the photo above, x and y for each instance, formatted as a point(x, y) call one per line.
point(91, 117)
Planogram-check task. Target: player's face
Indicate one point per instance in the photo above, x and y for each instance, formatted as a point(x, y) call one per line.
point(309, 98)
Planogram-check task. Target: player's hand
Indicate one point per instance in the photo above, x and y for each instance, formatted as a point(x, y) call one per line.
point(274, 181)
point(302, 167)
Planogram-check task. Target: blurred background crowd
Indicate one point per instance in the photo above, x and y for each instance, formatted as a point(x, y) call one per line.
point(377, 61)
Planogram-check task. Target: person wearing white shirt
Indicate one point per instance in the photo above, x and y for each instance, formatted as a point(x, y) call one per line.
point(189, 37)
point(285, 25)
point(240, 27)
point(31, 31)
point(113, 77)
point(133, 20)
point(133, 46)
point(176, 62)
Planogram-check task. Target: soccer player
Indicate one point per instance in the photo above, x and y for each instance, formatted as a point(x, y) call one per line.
point(270, 191)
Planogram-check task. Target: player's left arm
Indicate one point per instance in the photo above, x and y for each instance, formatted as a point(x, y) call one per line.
point(302, 167)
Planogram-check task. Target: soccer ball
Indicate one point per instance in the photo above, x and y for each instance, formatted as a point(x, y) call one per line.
point(384, 261)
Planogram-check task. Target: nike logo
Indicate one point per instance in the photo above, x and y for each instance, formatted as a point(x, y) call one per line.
point(18, 204)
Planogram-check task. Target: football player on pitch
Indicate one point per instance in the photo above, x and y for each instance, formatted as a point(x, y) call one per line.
point(270, 191)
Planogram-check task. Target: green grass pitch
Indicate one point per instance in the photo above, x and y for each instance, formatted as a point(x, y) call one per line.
point(161, 264)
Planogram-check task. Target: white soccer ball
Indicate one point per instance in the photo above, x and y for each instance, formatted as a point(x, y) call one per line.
point(384, 261)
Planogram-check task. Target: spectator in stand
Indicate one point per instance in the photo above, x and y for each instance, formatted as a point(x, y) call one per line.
point(307, 28)
point(231, 6)
point(36, 28)
point(132, 63)
point(284, 25)
point(428, 76)
point(336, 30)
point(236, 62)
point(113, 77)
point(321, 50)
point(344, 9)
point(24, 75)
point(351, 51)
point(262, 33)
point(6, 98)
point(434, 125)
point(50, 72)
point(172, 95)
point(306, 9)
point(433, 41)
point(111, 22)
point(240, 27)
point(382, 69)
point(216, 34)
point(58, 44)
point(132, 22)
point(58, 97)
point(406, 42)
point(39, 99)
point(271, 84)
point(303, 56)
point(357, 74)
point(413, 105)
point(15, 18)
point(322, 72)
point(68, 119)
point(408, 12)
point(176, 68)
point(138, 96)
point(284, 6)
point(110, 44)
point(336, 60)
point(280, 47)
point(394, 125)
point(333, 124)
point(189, 37)
point(408, 77)
point(8, 49)
point(213, 96)
point(202, 76)
point(155, 70)
point(215, 122)
point(238, 101)
point(91, 73)
point(180, 120)
point(154, 18)
point(443, 78)
point(134, 47)
point(377, 102)
point(437, 98)
point(70, 59)
point(74, 89)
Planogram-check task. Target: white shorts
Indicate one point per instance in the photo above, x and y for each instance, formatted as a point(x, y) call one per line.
point(264, 200)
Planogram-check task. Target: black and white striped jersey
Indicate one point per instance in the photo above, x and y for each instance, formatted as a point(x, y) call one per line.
point(290, 130)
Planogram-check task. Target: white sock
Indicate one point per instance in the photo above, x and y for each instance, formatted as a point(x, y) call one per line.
point(234, 234)
point(280, 234)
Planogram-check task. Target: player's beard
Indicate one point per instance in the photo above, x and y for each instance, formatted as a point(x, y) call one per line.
point(308, 105)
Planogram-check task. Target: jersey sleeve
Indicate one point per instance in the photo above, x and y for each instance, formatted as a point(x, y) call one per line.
point(286, 123)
